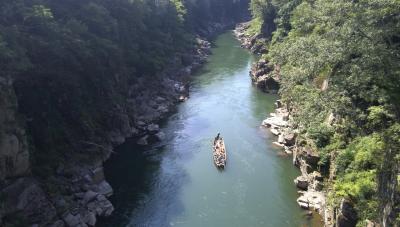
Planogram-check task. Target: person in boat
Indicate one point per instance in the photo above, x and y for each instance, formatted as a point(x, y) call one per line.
point(217, 137)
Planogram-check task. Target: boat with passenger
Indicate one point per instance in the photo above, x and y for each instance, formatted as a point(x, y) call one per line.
point(219, 152)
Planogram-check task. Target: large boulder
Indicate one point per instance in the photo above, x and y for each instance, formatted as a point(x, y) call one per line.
point(101, 206)
point(312, 199)
point(90, 218)
point(72, 220)
point(160, 136)
point(290, 138)
point(153, 128)
point(89, 196)
point(301, 182)
point(103, 188)
point(312, 157)
point(26, 197)
point(274, 121)
point(143, 140)
point(281, 139)
point(275, 131)
point(303, 202)
point(263, 77)
point(182, 98)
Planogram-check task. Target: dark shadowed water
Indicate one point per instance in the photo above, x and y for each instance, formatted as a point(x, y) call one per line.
point(176, 183)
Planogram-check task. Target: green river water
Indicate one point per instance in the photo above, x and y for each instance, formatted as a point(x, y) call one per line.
point(175, 183)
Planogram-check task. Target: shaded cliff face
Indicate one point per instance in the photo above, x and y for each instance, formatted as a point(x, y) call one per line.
point(19, 191)
point(14, 153)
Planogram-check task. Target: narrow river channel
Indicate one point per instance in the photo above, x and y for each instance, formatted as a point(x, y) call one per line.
point(175, 183)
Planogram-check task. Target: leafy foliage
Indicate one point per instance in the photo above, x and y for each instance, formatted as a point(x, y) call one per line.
point(353, 48)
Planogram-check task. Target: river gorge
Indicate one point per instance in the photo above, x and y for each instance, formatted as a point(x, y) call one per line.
point(175, 183)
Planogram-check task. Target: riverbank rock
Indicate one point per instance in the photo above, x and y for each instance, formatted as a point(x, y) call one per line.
point(289, 138)
point(278, 144)
point(289, 149)
point(301, 182)
point(182, 98)
point(160, 136)
point(311, 181)
point(312, 157)
point(275, 131)
point(256, 43)
point(153, 128)
point(25, 197)
point(104, 188)
point(312, 200)
point(274, 122)
point(240, 34)
point(280, 127)
point(264, 77)
point(73, 220)
point(143, 140)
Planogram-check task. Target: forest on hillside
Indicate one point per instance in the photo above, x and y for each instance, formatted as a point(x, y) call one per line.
point(338, 62)
point(69, 60)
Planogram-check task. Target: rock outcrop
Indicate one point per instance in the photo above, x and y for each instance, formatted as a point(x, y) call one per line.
point(24, 198)
point(310, 182)
point(255, 43)
point(264, 75)
point(14, 153)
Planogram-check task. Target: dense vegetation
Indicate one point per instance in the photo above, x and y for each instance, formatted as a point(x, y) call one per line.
point(340, 71)
point(71, 60)
point(74, 62)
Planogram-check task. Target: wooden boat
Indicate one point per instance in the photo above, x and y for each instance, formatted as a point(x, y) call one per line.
point(219, 152)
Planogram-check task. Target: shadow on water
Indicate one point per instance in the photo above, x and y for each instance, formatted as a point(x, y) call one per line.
point(130, 171)
point(138, 174)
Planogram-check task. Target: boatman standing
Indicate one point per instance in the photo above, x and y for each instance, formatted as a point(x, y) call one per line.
point(217, 138)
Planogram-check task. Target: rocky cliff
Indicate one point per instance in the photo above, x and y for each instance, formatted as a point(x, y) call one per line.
point(263, 74)
point(311, 182)
point(59, 188)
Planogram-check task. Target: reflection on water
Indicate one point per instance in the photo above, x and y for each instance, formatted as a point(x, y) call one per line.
point(176, 184)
